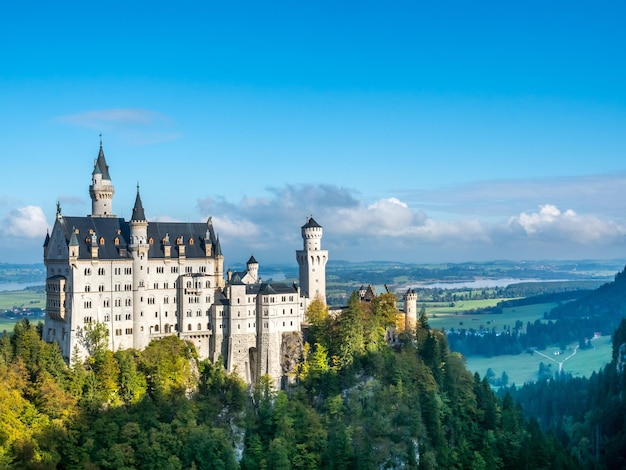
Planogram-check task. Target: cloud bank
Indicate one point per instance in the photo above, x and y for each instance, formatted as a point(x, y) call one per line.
point(391, 228)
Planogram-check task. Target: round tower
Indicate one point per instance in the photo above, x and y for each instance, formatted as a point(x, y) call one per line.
point(253, 269)
point(101, 190)
point(139, 247)
point(410, 309)
point(312, 261)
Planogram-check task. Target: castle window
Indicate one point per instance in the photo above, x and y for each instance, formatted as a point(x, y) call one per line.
point(188, 284)
point(189, 327)
point(166, 300)
point(174, 269)
point(189, 269)
point(207, 284)
point(106, 303)
point(118, 332)
point(129, 316)
point(156, 285)
point(87, 288)
point(101, 288)
point(151, 241)
point(191, 241)
point(116, 241)
point(128, 270)
point(199, 326)
point(198, 313)
point(189, 313)
point(87, 271)
point(179, 240)
point(118, 302)
point(128, 302)
point(129, 331)
point(101, 272)
point(156, 328)
point(101, 240)
point(107, 318)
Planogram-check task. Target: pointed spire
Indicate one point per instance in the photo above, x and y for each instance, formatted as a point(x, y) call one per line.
point(252, 260)
point(73, 238)
point(100, 165)
point(218, 247)
point(138, 212)
point(47, 240)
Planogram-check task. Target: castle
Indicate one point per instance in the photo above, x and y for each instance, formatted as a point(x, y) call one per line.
point(147, 280)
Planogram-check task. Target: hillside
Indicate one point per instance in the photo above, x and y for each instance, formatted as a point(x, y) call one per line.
point(357, 401)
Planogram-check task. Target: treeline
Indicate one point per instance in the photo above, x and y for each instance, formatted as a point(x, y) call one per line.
point(539, 334)
point(361, 398)
point(586, 415)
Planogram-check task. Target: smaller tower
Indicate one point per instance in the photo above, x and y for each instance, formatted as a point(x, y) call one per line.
point(138, 248)
point(253, 270)
point(312, 261)
point(101, 189)
point(410, 309)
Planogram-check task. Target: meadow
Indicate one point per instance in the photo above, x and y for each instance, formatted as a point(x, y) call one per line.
point(524, 367)
point(462, 315)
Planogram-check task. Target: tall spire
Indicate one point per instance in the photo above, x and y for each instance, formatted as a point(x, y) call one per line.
point(138, 212)
point(100, 165)
point(101, 189)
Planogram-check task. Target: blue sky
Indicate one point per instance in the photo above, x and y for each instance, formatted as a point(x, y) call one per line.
point(412, 131)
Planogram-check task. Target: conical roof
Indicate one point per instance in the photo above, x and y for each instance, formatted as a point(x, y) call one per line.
point(101, 165)
point(138, 212)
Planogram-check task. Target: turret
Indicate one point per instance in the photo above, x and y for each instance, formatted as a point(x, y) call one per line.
point(410, 309)
point(312, 261)
point(253, 269)
point(138, 248)
point(101, 189)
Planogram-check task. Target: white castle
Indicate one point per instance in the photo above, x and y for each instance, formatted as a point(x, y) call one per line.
point(146, 280)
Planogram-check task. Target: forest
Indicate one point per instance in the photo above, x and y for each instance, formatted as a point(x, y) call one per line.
point(360, 398)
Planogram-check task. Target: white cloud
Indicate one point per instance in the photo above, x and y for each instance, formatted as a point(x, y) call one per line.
point(24, 222)
point(550, 223)
point(393, 228)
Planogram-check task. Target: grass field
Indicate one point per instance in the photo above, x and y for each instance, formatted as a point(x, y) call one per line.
point(22, 299)
point(523, 367)
point(459, 317)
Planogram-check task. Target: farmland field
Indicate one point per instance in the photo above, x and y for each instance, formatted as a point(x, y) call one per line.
point(22, 299)
point(461, 316)
point(523, 367)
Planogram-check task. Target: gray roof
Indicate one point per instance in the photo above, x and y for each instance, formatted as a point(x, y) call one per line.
point(192, 235)
point(101, 165)
point(311, 223)
point(138, 212)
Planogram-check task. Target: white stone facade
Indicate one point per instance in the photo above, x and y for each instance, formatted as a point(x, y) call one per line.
point(146, 280)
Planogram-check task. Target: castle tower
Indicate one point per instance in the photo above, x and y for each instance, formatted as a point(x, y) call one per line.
point(410, 309)
point(139, 247)
point(312, 261)
point(253, 269)
point(101, 189)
